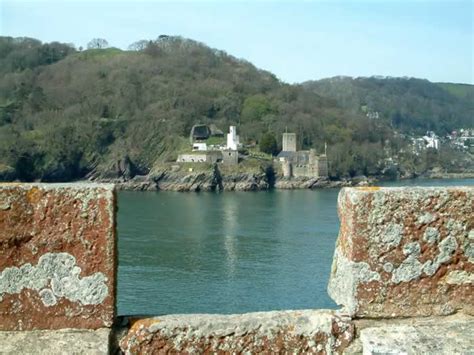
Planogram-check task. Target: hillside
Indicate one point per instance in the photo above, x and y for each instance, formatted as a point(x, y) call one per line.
point(407, 104)
point(67, 114)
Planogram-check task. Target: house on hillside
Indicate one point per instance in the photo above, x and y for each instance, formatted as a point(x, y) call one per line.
point(204, 150)
point(431, 140)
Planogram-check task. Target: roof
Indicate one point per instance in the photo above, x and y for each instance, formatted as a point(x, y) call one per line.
point(285, 154)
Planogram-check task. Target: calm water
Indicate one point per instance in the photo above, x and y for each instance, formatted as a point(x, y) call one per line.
point(232, 252)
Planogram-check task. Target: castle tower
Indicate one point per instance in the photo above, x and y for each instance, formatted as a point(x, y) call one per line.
point(289, 142)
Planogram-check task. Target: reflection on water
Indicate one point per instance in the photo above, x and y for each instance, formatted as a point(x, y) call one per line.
point(226, 253)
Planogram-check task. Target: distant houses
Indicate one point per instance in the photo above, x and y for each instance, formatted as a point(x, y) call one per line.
point(461, 139)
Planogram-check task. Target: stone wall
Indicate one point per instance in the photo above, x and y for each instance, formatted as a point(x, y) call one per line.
point(57, 262)
point(192, 158)
point(402, 272)
point(230, 157)
point(405, 252)
point(306, 331)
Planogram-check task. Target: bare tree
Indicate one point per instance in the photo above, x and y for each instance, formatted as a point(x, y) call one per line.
point(139, 45)
point(97, 43)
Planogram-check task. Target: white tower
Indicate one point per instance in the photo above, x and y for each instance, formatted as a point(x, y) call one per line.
point(232, 138)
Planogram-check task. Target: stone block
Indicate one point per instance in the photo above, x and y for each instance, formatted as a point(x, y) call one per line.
point(52, 342)
point(404, 252)
point(443, 337)
point(57, 256)
point(306, 331)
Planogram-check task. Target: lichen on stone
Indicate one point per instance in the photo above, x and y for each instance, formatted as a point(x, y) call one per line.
point(431, 235)
point(410, 268)
point(460, 277)
point(346, 275)
point(388, 267)
point(426, 218)
point(469, 246)
point(392, 235)
point(446, 249)
point(60, 272)
point(48, 297)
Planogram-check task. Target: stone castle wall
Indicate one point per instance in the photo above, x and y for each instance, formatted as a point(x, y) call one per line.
point(403, 273)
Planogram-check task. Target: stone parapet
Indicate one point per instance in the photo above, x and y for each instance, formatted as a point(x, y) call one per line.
point(439, 336)
point(403, 272)
point(413, 335)
point(50, 342)
point(57, 256)
point(289, 332)
point(404, 252)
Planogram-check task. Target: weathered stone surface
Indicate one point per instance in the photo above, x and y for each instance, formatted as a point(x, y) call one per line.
point(306, 331)
point(404, 252)
point(442, 337)
point(57, 256)
point(51, 342)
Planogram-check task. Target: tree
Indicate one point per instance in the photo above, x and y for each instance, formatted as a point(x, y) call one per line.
point(268, 144)
point(97, 43)
point(255, 107)
point(139, 45)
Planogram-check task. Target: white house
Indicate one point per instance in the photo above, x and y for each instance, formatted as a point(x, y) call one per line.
point(431, 140)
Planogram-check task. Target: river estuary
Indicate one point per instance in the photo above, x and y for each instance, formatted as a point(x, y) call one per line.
point(230, 252)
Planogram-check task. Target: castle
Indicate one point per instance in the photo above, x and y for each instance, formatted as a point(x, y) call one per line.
point(301, 163)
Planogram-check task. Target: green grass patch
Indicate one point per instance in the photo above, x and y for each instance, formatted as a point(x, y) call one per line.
point(459, 90)
point(257, 154)
point(216, 141)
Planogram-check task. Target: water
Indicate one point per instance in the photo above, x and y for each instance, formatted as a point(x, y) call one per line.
point(232, 252)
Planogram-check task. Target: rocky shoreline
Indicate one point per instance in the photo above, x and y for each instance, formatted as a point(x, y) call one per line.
point(214, 181)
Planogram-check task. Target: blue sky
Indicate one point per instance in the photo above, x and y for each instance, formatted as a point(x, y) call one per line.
point(297, 41)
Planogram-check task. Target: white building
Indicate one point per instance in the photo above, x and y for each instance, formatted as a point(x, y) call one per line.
point(431, 140)
point(232, 139)
point(199, 147)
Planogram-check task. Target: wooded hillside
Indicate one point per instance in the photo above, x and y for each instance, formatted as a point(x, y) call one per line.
point(65, 113)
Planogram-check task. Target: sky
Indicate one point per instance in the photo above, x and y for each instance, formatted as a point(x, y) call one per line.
point(297, 40)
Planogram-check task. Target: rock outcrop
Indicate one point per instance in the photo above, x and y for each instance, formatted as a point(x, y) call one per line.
point(211, 180)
